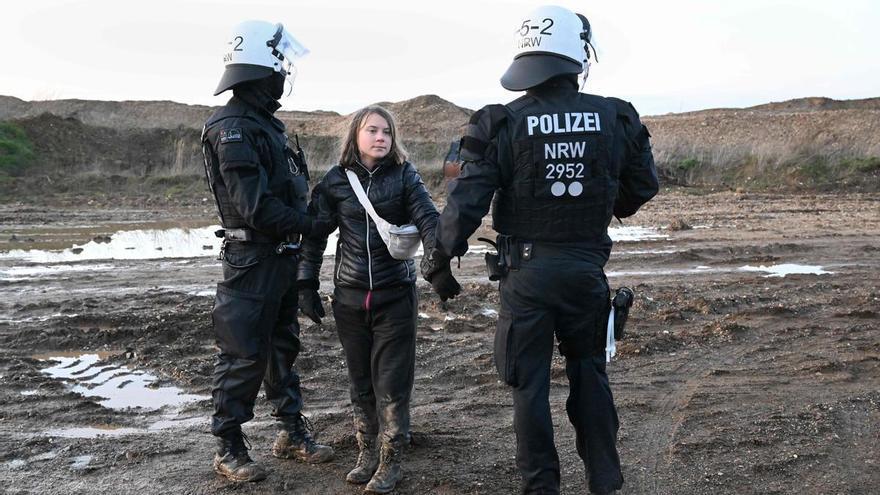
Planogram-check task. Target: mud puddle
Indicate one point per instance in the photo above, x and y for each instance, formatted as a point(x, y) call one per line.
point(784, 269)
point(129, 245)
point(116, 387)
point(780, 270)
point(120, 388)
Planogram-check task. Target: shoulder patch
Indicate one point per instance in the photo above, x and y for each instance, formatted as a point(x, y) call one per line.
point(232, 135)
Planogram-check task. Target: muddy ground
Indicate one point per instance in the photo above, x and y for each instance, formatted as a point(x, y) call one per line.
point(729, 381)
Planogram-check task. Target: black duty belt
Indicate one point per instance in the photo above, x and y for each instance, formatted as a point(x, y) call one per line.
point(250, 235)
point(513, 251)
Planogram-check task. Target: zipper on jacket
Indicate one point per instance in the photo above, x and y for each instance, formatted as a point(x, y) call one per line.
point(367, 217)
point(369, 256)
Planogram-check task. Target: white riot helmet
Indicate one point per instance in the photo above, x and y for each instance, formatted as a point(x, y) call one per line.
point(550, 41)
point(256, 50)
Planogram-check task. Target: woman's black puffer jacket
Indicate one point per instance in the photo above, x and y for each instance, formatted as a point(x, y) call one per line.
point(362, 259)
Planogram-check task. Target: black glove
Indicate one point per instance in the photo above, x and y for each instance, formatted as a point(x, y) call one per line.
point(310, 305)
point(321, 227)
point(436, 270)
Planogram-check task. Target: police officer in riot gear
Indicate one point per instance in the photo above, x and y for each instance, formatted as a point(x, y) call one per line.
point(560, 165)
point(260, 186)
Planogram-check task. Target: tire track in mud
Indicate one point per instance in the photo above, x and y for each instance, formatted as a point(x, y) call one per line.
point(655, 454)
point(670, 408)
point(860, 434)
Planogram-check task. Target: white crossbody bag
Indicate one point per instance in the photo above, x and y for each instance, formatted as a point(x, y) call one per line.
point(402, 241)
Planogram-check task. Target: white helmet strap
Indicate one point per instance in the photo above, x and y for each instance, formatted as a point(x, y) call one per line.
point(289, 78)
point(587, 37)
point(584, 75)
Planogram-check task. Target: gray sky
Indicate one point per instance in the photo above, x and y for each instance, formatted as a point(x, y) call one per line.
point(668, 56)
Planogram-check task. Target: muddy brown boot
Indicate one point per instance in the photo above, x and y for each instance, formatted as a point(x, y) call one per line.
point(367, 462)
point(389, 472)
point(295, 442)
point(232, 459)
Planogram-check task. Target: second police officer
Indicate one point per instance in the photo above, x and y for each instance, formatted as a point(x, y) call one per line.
point(260, 186)
point(560, 165)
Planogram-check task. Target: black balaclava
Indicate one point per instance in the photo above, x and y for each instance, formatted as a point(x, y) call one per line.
point(275, 85)
point(263, 92)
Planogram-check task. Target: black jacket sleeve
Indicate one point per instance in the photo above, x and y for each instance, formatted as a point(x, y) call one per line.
point(247, 182)
point(312, 255)
point(638, 176)
point(469, 196)
point(419, 205)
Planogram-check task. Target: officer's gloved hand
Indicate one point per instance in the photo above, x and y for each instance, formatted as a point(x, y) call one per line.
point(310, 304)
point(321, 227)
point(436, 270)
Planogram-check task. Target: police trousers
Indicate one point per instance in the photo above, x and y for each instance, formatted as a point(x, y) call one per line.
point(552, 293)
point(380, 353)
point(256, 330)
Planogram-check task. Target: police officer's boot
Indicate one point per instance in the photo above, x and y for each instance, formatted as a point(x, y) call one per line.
point(367, 462)
point(389, 472)
point(232, 459)
point(295, 442)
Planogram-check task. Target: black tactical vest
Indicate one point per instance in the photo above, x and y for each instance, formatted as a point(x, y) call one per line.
point(563, 180)
point(286, 180)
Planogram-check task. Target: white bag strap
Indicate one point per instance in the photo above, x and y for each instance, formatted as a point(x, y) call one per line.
point(382, 226)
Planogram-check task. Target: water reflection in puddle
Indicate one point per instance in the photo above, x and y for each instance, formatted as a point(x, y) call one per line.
point(780, 270)
point(36, 319)
point(120, 388)
point(20, 463)
point(167, 422)
point(116, 387)
point(16, 273)
point(633, 233)
point(647, 251)
point(80, 462)
point(488, 312)
point(671, 271)
point(131, 245)
point(786, 269)
point(203, 292)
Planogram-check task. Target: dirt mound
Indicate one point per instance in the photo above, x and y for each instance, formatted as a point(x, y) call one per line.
point(812, 143)
point(112, 114)
point(432, 116)
point(807, 143)
point(66, 143)
point(809, 104)
point(819, 103)
point(423, 117)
